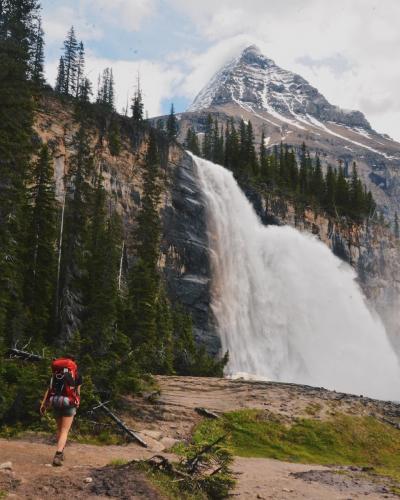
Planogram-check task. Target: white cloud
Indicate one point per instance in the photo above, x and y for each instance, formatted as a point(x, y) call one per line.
point(363, 33)
point(128, 14)
point(57, 22)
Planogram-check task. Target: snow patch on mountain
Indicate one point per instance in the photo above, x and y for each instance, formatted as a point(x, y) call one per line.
point(254, 80)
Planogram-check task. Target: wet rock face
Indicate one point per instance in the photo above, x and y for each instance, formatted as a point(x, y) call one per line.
point(186, 252)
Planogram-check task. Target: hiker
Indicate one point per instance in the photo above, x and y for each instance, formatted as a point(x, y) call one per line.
point(63, 396)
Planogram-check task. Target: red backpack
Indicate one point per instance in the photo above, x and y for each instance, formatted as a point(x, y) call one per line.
point(63, 392)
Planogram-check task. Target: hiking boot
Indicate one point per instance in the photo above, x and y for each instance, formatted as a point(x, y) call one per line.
point(58, 458)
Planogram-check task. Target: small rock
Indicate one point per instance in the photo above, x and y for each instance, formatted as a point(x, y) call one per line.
point(157, 435)
point(6, 466)
point(88, 480)
point(286, 490)
point(47, 465)
point(169, 442)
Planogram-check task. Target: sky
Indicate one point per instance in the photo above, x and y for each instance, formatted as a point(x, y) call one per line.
point(348, 49)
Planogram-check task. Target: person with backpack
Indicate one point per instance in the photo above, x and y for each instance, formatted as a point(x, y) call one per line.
point(63, 396)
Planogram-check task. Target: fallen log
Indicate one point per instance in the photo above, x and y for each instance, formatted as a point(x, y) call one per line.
point(206, 413)
point(193, 462)
point(13, 352)
point(132, 434)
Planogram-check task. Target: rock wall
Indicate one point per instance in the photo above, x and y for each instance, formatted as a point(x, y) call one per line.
point(186, 251)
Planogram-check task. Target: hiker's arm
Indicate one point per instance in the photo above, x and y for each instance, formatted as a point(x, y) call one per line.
point(43, 403)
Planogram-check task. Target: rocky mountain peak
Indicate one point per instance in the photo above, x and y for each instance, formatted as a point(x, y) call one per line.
point(255, 82)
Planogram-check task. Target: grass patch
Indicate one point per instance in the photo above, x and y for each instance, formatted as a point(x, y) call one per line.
point(342, 440)
point(117, 462)
point(168, 486)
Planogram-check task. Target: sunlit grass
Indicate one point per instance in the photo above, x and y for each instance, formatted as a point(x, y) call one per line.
point(341, 440)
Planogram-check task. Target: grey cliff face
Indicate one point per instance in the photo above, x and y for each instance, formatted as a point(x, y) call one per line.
point(186, 250)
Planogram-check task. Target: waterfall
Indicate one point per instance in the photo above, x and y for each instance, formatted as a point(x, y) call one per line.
point(286, 308)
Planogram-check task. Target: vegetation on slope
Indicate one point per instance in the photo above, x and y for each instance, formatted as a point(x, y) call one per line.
point(341, 440)
point(284, 171)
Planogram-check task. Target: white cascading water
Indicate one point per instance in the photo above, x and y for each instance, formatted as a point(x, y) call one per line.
point(287, 309)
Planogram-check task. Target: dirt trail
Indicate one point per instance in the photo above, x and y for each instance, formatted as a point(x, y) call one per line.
point(163, 419)
point(33, 477)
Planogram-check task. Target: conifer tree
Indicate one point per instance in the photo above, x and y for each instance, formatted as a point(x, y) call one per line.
point(137, 104)
point(106, 93)
point(18, 21)
point(102, 265)
point(207, 145)
point(263, 150)
point(356, 195)
point(71, 300)
point(172, 124)
point(80, 69)
point(251, 158)
point(330, 191)
point(342, 192)
point(141, 316)
point(192, 143)
point(85, 92)
point(70, 62)
point(37, 71)
point(60, 81)
point(41, 249)
point(317, 181)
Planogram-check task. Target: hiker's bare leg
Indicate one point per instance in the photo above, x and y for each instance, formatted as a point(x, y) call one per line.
point(59, 422)
point(66, 423)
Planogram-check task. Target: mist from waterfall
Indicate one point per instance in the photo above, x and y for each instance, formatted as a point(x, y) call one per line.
point(286, 308)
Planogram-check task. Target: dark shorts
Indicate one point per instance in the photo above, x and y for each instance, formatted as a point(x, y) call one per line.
point(64, 412)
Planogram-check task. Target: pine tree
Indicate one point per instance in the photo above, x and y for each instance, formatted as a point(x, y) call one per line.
point(37, 72)
point(60, 82)
point(80, 69)
point(71, 300)
point(191, 142)
point(102, 265)
point(141, 323)
point(317, 182)
point(70, 63)
point(330, 191)
point(207, 146)
point(342, 193)
point(356, 195)
point(251, 157)
point(105, 92)
point(303, 173)
point(85, 92)
point(18, 21)
point(172, 124)
point(263, 150)
point(40, 276)
point(137, 104)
